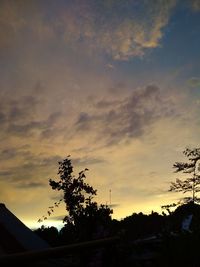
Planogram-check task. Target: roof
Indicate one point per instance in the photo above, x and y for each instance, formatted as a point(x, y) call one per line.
point(16, 236)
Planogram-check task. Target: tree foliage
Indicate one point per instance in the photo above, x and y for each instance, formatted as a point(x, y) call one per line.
point(82, 211)
point(190, 184)
point(76, 192)
point(50, 234)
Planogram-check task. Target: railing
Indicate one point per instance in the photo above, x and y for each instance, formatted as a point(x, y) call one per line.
point(62, 251)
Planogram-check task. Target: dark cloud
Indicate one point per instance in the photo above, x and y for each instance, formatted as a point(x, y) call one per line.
point(58, 218)
point(87, 161)
point(22, 108)
point(48, 161)
point(29, 127)
point(33, 167)
point(57, 197)
point(40, 162)
point(8, 154)
point(2, 118)
point(5, 173)
point(129, 119)
point(83, 118)
point(53, 118)
point(114, 206)
point(16, 113)
point(19, 116)
point(47, 134)
point(84, 121)
point(51, 129)
point(102, 104)
point(25, 129)
point(30, 185)
point(13, 152)
point(35, 170)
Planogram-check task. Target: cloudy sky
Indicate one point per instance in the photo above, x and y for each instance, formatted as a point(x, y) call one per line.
point(115, 84)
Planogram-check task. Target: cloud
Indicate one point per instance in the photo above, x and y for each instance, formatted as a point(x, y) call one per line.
point(195, 4)
point(133, 36)
point(117, 29)
point(22, 21)
point(114, 205)
point(22, 108)
point(31, 170)
point(25, 129)
point(18, 110)
point(58, 218)
point(127, 118)
point(120, 29)
point(29, 128)
point(5, 173)
point(19, 117)
point(194, 82)
point(31, 185)
point(104, 103)
point(10, 153)
point(2, 118)
point(87, 161)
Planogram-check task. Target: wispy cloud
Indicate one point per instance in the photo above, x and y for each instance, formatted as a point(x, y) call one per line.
point(18, 117)
point(31, 185)
point(31, 170)
point(128, 118)
point(12, 153)
point(86, 161)
point(121, 29)
point(118, 28)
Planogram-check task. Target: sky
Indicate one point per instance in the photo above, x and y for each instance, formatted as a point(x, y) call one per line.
point(114, 84)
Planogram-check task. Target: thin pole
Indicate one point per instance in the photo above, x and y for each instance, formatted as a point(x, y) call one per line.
point(110, 197)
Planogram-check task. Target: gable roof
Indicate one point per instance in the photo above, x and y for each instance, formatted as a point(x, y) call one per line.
point(16, 236)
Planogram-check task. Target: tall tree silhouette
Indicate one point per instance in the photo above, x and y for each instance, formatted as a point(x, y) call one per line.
point(75, 190)
point(82, 212)
point(190, 184)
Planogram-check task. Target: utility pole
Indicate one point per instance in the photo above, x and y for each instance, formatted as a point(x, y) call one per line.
point(110, 197)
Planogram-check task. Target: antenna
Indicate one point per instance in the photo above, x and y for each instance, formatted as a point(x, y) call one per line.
point(110, 196)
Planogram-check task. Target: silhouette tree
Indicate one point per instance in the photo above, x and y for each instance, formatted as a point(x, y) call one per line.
point(190, 184)
point(83, 213)
point(50, 234)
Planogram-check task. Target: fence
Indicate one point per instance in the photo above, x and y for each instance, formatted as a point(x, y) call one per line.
point(62, 251)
